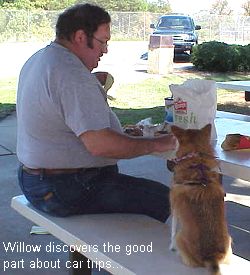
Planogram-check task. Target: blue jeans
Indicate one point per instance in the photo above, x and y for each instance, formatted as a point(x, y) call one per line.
point(95, 191)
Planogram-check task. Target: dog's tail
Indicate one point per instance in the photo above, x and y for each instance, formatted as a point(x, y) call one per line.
point(213, 267)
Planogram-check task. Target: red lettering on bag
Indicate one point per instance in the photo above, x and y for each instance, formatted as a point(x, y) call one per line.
point(180, 106)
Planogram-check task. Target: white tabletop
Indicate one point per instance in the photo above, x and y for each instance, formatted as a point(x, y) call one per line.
point(234, 85)
point(234, 163)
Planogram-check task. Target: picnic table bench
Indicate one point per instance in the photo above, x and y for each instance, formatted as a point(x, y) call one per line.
point(122, 244)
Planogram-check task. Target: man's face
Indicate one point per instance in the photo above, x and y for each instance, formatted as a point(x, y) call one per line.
point(91, 56)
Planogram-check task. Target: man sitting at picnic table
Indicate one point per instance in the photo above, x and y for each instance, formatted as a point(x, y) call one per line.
point(69, 140)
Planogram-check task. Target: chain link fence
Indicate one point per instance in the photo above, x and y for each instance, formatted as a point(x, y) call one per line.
point(21, 25)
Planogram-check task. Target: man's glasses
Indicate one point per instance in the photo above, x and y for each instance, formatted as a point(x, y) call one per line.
point(104, 44)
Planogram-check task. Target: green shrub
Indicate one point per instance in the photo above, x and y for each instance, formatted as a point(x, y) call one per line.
point(245, 58)
point(221, 57)
point(212, 56)
point(236, 59)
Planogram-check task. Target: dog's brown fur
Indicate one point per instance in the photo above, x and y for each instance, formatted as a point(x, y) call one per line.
point(197, 203)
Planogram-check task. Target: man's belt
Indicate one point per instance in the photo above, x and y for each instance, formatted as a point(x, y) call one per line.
point(45, 171)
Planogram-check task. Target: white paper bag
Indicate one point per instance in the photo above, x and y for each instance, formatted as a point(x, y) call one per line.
point(195, 104)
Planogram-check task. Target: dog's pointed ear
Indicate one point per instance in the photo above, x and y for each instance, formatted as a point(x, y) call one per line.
point(177, 131)
point(207, 130)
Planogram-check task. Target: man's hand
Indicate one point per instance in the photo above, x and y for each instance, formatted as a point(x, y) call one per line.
point(101, 76)
point(106, 79)
point(165, 143)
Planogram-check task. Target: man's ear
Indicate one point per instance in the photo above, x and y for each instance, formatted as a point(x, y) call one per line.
point(79, 36)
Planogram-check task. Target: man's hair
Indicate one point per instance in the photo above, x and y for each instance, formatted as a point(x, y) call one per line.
point(84, 17)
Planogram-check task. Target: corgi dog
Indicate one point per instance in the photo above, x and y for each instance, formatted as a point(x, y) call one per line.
point(199, 227)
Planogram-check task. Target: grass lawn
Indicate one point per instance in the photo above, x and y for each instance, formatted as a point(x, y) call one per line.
point(7, 96)
point(133, 102)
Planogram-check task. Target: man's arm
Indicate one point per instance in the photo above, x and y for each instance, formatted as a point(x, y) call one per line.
point(109, 143)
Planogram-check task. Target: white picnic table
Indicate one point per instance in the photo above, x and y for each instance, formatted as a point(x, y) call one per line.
point(236, 85)
point(127, 230)
point(234, 163)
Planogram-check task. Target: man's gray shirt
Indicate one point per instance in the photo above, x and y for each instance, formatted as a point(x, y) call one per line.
point(58, 99)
